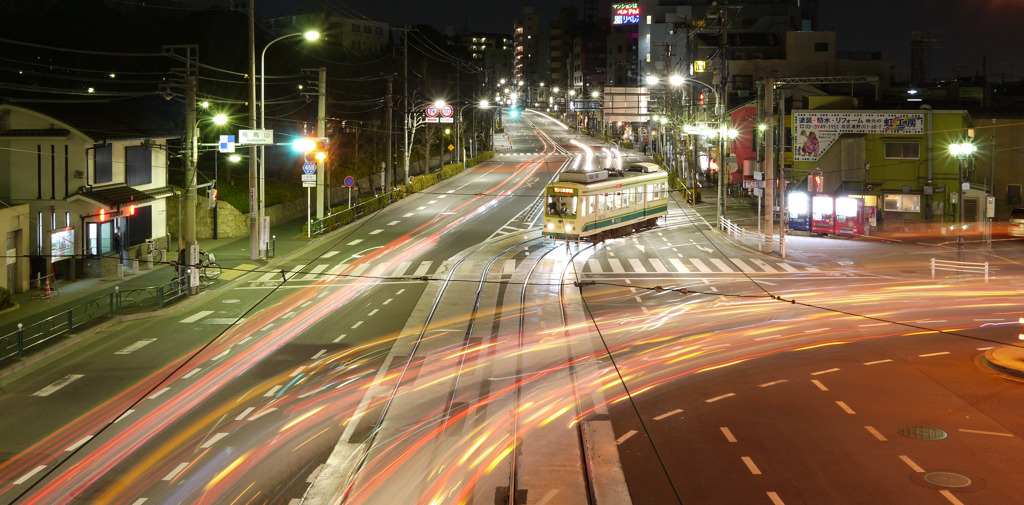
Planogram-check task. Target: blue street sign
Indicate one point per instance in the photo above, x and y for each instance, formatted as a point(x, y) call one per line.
point(309, 167)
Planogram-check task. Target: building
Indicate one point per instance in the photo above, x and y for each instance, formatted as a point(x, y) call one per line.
point(491, 51)
point(530, 61)
point(85, 170)
point(356, 36)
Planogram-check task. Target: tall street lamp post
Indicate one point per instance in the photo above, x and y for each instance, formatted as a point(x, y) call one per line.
point(960, 151)
point(309, 35)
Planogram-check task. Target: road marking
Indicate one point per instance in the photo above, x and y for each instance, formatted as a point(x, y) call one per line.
point(158, 393)
point(174, 473)
point(392, 223)
point(868, 325)
point(297, 371)
point(877, 362)
point(422, 269)
point(329, 254)
point(547, 497)
point(819, 384)
point(136, 346)
point(508, 267)
point(244, 413)
point(595, 266)
point(29, 475)
point(876, 433)
point(668, 414)
point(750, 465)
point(932, 321)
point(913, 466)
point(769, 337)
point(728, 434)
point(774, 497)
point(221, 355)
point(402, 267)
point(411, 214)
point(78, 444)
point(63, 381)
point(355, 242)
point(932, 354)
point(996, 433)
point(339, 338)
point(715, 399)
point(845, 407)
point(949, 496)
point(318, 354)
point(197, 316)
point(314, 274)
point(623, 438)
point(358, 324)
point(213, 440)
point(743, 266)
point(772, 383)
point(378, 230)
point(789, 268)
point(272, 391)
point(372, 312)
point(817, 330)
point(764, 265)
point(400, 291)
point(385, 302)
point(126, 414)
point(700, 265)
point(658, 265)
point(721, 264)
point(262, 413)
point(616, 266)
point(821, 372)
point(680, 267)
point(140, 501)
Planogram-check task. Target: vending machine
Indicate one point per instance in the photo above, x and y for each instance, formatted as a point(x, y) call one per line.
point(823, 217)
point(799, 206)
point(850, 216)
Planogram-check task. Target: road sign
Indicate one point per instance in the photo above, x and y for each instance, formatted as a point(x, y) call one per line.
point(261, 137)
point(431, 110)
point(447, 111)
point(309, 180)
point(349, 181)
point(451, 147)
point(446, 119)
point(431, 119)
point(750, 184)
point(309, 167)
point(226, 144)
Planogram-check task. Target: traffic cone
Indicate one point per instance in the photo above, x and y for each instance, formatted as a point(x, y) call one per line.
point(47, 293)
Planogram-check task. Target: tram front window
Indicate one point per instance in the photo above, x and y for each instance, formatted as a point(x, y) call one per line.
point(564, 206)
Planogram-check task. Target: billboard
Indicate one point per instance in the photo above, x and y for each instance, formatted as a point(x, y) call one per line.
point(814, 132)
point(625, 13)
point(62, 244)
point(627, 104)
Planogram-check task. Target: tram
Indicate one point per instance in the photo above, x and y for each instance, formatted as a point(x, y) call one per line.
point(600, 204)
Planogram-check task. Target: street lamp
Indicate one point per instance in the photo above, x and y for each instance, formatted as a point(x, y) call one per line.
point(960, 151)
point(309, 35)
point(483, 104)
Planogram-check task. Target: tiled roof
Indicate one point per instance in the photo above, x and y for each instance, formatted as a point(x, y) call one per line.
point(115, 197)
point(149, 117)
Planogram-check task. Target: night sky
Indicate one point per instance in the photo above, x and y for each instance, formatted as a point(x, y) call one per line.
point(965, 31)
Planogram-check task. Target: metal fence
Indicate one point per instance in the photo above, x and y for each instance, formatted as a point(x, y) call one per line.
point(750, 238)
point(962, 267)
point(27, 339)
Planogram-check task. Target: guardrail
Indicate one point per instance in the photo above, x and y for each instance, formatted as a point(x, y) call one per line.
point(959, 266)
point(748, 237)
point(27, 339)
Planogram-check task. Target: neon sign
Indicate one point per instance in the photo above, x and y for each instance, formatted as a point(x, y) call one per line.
point(626, 13)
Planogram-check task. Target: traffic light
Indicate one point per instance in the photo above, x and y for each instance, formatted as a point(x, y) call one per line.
point(513, 113)
point(701, 98)
point(313, 149)
point(211, 194)
point(103, 215)
point(815, 183)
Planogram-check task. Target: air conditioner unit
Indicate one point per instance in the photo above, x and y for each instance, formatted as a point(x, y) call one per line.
point(79, 174)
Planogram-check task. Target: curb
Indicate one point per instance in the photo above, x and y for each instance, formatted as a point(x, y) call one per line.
point(1008, 360)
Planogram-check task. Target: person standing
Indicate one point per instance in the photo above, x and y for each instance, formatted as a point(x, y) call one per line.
point(118, 246)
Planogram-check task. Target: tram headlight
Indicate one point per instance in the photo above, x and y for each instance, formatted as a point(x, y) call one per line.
point(568, 228)
point(551, 226)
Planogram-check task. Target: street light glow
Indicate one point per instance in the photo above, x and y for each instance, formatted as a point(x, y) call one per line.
point(676, 79)
point(220, 119)
point(311, 35)
point(652, 80)
point(961, 149)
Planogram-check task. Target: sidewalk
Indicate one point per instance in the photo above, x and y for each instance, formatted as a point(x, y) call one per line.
point(232, 254)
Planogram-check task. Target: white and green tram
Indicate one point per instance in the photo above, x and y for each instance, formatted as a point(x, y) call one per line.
point(596, 205)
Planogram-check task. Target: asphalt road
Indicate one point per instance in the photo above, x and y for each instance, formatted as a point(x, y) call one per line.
point(439, 350)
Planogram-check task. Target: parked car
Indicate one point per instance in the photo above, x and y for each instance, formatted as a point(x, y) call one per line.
point(1016, 226)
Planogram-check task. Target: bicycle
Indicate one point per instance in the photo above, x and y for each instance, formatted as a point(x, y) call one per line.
point(208, 266)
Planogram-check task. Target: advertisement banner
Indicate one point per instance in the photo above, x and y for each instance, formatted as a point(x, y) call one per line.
point(815, 132)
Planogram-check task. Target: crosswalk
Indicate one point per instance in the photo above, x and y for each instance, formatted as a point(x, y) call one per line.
point(689, 265)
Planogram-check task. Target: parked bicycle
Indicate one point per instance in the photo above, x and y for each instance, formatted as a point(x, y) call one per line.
point(208, 266)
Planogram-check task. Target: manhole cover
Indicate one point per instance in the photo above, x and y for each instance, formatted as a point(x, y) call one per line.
point(922, 432)
point(947, 479)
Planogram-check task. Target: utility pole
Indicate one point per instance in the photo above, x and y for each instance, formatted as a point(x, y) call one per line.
point(387, 127)
point(769, 161)
point(190, 160)
point(322, 177)
point(405, 97)
point(254, 228)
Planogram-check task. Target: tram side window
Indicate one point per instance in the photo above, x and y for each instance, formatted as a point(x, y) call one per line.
point(601, 202)
point(609, 202)
point(591, 202)
point(618, 199)
point(650, 192)
point(562, 206)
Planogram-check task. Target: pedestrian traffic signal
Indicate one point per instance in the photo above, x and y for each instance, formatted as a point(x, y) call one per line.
point(701, 98)
point(815, 183)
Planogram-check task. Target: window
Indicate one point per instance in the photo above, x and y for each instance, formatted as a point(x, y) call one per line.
point(1013, 194)
point(821, 47)
point(902, 150)
point(138, 168)
point(103, 164)
point(367, 29)
point(378, 31)
point(592, 202)
point(902, 203)
point(355, 27)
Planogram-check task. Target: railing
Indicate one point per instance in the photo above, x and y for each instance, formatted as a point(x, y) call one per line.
point(27, 339)
point(959, 266)
point(749, 237)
